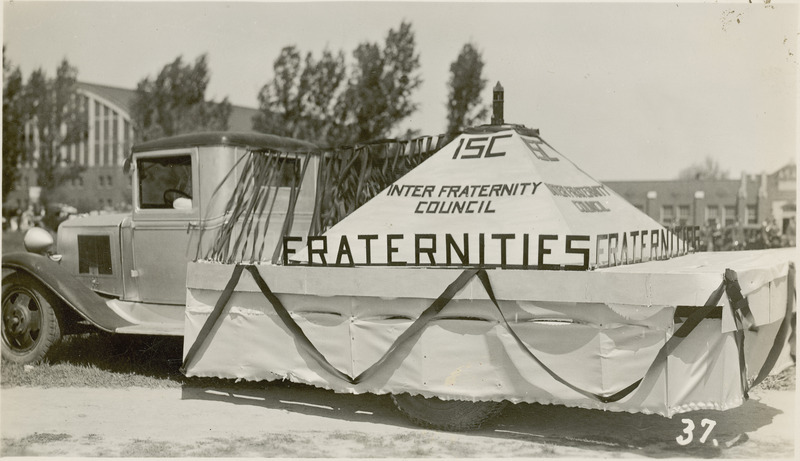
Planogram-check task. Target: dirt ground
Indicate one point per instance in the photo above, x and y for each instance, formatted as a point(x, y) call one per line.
point(290, 420)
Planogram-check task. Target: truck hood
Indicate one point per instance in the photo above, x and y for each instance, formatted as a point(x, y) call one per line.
point(100, 220)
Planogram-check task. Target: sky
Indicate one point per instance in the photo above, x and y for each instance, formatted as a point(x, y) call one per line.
point(628, 91)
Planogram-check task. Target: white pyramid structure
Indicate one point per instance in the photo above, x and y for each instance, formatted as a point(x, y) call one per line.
point(496, 196)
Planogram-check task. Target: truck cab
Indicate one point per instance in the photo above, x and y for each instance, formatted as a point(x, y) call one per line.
point(126, 272)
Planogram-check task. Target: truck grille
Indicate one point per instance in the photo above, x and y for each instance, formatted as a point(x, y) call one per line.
point(94, 254)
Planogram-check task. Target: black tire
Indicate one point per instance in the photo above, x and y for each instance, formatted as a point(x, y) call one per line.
point(448, 415)
point(31, 325)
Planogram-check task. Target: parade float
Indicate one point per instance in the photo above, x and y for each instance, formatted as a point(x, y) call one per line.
point(496, 271)
point(454, 276)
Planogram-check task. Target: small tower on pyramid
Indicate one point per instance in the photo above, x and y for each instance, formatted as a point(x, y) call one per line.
point(497, 105)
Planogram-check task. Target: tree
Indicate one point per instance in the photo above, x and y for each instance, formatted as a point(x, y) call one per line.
point(465, 87)
point(327, 78)
point(174, 102)
point(13, 124)
point(53, 108)
point(300, 100)
point(708, 169)
point(378, 96)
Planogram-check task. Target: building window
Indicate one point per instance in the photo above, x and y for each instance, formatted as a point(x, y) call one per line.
point(667, 214)
point(114, 139)
point(97, 119)
point(109, 181)
point(730, 215)
point(84, 144)
point(102, 181)
point(712, 215)
point(683, 214)
point(751, 215)
point(106, 136)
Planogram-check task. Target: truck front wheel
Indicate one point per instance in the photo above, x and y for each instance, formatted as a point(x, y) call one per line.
point(31, 324)
point(449, 415)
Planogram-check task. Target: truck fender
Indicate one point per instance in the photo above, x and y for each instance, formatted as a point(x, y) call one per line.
point(77, 296)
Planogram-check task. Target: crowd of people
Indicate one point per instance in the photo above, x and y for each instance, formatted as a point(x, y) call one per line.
point(21, 217)
point(715, 237)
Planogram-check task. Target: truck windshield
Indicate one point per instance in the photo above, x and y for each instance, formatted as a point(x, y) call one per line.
point(165, 182)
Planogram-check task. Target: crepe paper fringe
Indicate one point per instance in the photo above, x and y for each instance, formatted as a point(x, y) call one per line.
point(351, 176)
point(347, 178)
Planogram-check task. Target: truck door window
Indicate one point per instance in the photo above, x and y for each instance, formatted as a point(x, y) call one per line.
point(165, 182)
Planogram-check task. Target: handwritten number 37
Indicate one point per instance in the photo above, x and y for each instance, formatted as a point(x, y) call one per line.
point(689, 431)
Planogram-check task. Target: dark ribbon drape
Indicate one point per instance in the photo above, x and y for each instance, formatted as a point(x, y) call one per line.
point(729, 286)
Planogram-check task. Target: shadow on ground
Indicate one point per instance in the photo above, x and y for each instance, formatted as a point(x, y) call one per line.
point(554, 425)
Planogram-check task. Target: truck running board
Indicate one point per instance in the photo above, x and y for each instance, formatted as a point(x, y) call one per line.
point(149, 319)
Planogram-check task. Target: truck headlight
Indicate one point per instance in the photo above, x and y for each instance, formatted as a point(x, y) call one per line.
point(37, 240)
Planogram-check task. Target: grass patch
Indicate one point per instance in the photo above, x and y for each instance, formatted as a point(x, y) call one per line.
point(23, 446)
point(115, 361)
point(94, 438)
point(269, 445)
point(783, 381)
point(101, 360)
point(46, 437)
point(149, 449)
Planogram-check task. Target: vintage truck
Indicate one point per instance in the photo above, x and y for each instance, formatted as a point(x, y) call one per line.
point(125, 273)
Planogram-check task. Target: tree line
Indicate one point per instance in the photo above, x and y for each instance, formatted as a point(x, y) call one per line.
point(325, 99)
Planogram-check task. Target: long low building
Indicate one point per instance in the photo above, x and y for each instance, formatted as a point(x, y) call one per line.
point(749, 201)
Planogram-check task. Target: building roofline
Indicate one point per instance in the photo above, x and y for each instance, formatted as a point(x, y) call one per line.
point(121, 97)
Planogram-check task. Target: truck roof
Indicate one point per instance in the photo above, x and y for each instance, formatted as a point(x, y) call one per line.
point(251, 140)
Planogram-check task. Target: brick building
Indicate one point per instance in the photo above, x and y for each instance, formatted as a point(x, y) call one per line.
point(748, 201)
